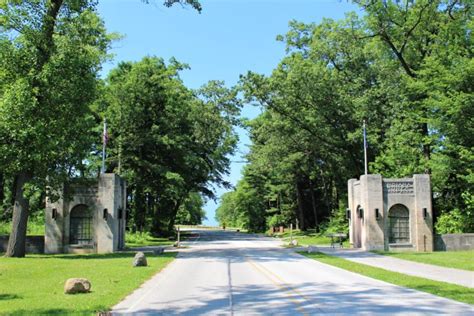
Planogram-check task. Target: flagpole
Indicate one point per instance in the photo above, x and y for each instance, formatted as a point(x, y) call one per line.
point(365, 149)
point(104, 135)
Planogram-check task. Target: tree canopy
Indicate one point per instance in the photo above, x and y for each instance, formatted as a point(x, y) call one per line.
point(403, 66)
point(169, 142)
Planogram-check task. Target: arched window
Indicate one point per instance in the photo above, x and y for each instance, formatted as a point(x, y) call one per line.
point(399, 224)
point(80, 231)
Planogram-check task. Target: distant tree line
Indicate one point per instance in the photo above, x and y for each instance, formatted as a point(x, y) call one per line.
point(406, 67)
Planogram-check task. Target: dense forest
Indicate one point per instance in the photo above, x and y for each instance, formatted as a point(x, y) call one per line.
point(406, 68)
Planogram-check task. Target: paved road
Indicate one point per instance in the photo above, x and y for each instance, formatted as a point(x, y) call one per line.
point(225, 273)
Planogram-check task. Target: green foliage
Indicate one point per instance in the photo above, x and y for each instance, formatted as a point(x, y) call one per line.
point(457, 221)
point(241, 209)
point(276, 221)
point(338, 223)
point(137, 237)
point(404, 67)
point(35, 226)
point(195, 4)
point(191, 212)
point(111, 276)
point(167, 141)
point(41, 114)
point(448, 290)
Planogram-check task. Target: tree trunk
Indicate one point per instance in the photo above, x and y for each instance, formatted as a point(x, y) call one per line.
point(2, 185)
point(173, 216)
point(313, 203)
point(17, 242)
point(156, 226)
point(299, 199)
point(140, 212)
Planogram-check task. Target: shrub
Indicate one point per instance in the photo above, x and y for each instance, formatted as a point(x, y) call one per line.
point(337, 222)
point(457, 221)
point(137, 237)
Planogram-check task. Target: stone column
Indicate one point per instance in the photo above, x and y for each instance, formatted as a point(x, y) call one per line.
point(54, 227)
point(424, 226)
point(352, 208)
point(372, 199)
point(105, 227)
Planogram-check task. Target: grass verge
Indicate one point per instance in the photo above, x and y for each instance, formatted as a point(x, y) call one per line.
point(34, 285)
point(307, 238)
point(143, 239)
point(451, 291)
point(451, 259)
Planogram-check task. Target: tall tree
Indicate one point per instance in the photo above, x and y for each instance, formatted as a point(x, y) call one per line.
point(398, 66)
point(168, 141)
point(51, 52)
point(41, 113)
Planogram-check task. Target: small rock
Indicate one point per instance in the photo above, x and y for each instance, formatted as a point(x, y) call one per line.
point(139, 260)
point(312, 249)
point(77, 285)
point(294, 243)
point(158, 251)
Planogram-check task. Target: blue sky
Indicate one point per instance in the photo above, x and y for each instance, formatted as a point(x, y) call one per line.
point(229, 38)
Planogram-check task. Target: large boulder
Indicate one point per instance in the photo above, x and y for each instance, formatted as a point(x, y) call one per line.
point(77, 285)
point(139, 260)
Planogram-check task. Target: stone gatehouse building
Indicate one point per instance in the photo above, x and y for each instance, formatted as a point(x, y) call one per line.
point(390, 214)
point(88, 217)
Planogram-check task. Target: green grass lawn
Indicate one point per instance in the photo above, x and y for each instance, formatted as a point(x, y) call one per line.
point(152, 241)
point(142, 239)
point(452, 259)
point(307, 238)
point(452, 291)
point(34, 285)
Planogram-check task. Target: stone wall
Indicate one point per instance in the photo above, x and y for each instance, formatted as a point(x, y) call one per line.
point(453, 242)
point(34, 244)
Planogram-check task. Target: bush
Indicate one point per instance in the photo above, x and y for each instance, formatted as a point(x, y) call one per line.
point(5, 228)
point(35, 226)
point(137, 237)
point(337, 223)
point(276, 220)
point(457, 221)
point(453, 222)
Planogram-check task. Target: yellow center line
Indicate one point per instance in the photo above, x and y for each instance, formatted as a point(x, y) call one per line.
point(288, 291)
point(286, 283)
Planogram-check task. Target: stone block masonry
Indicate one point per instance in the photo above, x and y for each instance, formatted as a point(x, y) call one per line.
point(391, 214)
